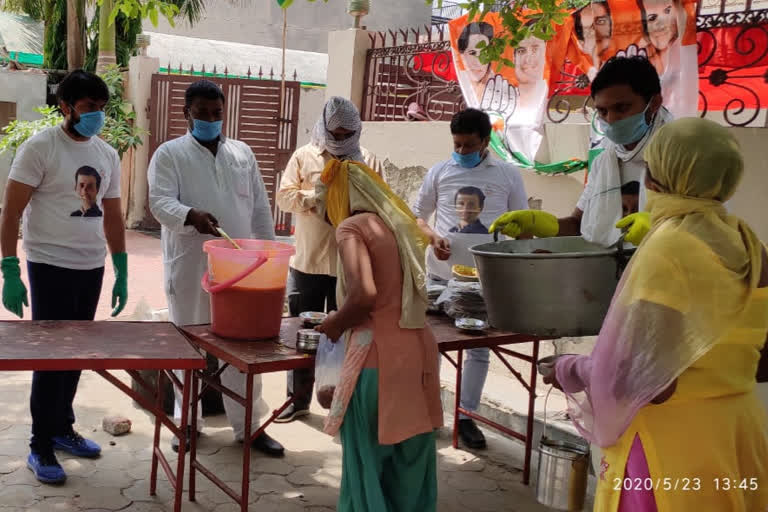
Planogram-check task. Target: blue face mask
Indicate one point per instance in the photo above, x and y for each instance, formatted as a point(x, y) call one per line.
point(206, 131)
point(90, 123)
point(469, 160)
point(627, 131)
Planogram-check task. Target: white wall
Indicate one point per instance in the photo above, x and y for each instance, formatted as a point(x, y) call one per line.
point(260, 22)
point(28, 90)
point(311, 102)
point(408, 144)
point(751, 199)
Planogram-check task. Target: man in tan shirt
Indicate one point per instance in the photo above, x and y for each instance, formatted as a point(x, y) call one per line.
point(312, 279)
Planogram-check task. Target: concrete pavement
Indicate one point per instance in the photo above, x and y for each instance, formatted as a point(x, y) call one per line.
point(306, 480)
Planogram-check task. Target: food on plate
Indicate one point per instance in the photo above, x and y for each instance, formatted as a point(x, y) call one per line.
point(464, 271)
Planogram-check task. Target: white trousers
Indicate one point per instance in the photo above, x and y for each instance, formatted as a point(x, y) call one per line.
point(233, 379)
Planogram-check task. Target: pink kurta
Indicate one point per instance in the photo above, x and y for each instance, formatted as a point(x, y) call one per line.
point(407, 359)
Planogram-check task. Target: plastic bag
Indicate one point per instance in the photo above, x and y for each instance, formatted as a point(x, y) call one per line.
point(328, 362)
point(143, 313)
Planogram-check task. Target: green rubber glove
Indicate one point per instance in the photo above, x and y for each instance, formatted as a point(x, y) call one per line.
point(120, 289)
point(527, 222)
point(636, 226)
point(14, 291)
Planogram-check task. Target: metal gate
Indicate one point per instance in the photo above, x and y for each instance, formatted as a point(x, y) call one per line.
point(252, 115)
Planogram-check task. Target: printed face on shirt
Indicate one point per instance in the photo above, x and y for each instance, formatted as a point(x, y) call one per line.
point(87, 186)
point(661, 21)
point(468, 208)
point(629, 204)
point(530, 59)
point(469, 204)
point(204, 109)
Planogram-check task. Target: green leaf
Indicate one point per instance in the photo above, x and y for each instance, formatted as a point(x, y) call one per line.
point(113, 16)
point(153, 17)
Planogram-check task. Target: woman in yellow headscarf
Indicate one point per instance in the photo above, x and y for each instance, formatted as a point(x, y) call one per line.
point(387, 402)
point(668, 392)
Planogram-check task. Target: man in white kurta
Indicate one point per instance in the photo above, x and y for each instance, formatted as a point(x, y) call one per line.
point(197, 183)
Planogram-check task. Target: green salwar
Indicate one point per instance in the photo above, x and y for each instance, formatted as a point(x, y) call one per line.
point(383, 478)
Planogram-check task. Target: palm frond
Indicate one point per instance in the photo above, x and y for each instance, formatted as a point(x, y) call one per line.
point(35, 9)
point(191, 10)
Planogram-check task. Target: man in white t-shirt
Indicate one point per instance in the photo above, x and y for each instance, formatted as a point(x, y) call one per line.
point(466, 193)
point(628, 101)
point(66, 182)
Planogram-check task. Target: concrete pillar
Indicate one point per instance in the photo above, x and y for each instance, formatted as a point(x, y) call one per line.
point(139, 92)
point(347, 50)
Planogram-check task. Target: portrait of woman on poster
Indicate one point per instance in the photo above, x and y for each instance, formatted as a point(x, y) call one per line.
point(663, 27)
point(479, 74)
point(530, 62)
point(593, 27)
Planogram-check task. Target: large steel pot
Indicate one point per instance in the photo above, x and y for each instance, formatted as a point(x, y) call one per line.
point(562, 293)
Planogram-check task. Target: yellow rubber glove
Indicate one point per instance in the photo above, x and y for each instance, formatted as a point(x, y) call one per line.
point(527, 222)
point(636, 227)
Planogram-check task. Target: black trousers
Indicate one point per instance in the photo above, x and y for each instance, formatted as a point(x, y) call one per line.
point(58, 294)
point(307, 292)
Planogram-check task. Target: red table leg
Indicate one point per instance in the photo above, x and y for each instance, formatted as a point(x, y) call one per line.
point(193, 439)
point(247, 444)
point(457, 406)
point(156, 440)
point(531, 410)
point(179, 487)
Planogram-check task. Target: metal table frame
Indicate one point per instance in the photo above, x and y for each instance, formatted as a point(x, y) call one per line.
point(251, 358)
point(101, 350)
point(494, 341)
point(279, 355)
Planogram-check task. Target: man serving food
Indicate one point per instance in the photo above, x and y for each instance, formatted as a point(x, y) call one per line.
point(628, 101)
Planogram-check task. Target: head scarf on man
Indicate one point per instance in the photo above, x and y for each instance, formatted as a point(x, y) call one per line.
point(348, 187)
point(339, 113)
point(687, 286)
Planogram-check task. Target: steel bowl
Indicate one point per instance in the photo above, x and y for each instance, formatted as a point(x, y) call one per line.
point(471, 324)
point(312, 318)
point(307, 340)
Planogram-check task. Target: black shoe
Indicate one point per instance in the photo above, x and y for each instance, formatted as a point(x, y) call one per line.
point(268, 446)
point(175, 440)
point(291, 413)
point(471, 435)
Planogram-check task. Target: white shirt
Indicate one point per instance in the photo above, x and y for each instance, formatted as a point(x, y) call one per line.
point(183, 175)
point(629, 171)
point(316, 250)
point(54, 228)
point(447, 184)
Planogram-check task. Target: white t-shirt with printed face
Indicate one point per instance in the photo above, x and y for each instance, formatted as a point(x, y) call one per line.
point(63, 224)
point(466, 201)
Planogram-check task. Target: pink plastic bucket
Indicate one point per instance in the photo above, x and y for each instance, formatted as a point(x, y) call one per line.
point(247, 287)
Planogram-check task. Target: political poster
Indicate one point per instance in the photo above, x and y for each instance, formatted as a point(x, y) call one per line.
point(517, 97)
